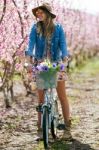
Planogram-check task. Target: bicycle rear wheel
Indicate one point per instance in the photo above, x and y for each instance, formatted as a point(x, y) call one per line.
point(45, 126)
point(54, 121)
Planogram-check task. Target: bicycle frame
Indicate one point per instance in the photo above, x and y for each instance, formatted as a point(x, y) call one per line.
point(49, 100)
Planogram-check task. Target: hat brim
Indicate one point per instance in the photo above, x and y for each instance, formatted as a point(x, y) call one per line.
point(42, 7)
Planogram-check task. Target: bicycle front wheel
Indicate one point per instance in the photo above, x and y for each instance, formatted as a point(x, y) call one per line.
point(45, 126)
point(54, 121)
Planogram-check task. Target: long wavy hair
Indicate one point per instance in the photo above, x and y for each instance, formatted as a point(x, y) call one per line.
point(46, 29)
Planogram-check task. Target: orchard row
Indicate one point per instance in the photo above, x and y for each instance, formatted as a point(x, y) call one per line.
point(81, 29)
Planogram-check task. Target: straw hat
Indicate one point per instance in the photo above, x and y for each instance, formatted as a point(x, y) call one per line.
point(45, 6)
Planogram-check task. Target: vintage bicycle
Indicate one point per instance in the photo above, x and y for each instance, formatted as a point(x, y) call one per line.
point(46, 79)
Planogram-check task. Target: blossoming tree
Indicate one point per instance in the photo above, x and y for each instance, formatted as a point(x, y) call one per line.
point(15, 22)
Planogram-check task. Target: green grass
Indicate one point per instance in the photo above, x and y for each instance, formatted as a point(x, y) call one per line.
point(90, 67)
point(17, 77)
point(56, 145)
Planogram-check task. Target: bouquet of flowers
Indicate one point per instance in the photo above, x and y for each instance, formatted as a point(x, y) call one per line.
point(47, 73)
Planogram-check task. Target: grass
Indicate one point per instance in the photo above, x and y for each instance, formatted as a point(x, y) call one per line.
point(90, 67)
point(17, 77)
point(55, 145)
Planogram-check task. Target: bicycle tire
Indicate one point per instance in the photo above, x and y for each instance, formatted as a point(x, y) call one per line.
point(53, 122)
point(45, 127)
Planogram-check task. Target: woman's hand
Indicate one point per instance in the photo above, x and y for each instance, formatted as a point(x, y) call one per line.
point(65, 59)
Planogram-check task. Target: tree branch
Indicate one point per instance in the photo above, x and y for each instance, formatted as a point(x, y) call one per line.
point(22, 31)
point(4, 10)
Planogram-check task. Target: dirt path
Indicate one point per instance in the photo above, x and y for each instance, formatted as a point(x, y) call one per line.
point(85, 109)
point(18, 125)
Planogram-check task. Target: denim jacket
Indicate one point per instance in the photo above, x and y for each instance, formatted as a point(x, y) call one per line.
point(36, 44)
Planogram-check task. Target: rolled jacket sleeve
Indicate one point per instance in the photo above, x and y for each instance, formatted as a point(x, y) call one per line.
point(63, 43)
point(31, 41)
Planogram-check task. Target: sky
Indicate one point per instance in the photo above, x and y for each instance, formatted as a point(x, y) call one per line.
point(91, 6)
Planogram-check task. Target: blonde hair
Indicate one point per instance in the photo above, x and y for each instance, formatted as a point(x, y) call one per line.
point(46, 29)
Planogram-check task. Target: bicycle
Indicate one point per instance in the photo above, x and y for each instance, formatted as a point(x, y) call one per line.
point(49, 110)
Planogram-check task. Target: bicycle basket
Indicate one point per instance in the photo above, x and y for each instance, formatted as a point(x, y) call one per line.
point(46, 79)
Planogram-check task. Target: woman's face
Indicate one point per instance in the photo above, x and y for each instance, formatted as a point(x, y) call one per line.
point(41, 15)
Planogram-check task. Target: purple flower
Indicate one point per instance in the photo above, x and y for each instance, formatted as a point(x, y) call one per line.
point(62, 67)
point(54, 65)
point(45, 68)
point(39, 68)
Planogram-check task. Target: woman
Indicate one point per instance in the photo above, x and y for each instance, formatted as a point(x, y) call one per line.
point(48, 39)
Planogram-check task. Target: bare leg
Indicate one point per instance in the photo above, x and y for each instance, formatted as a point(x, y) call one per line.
point(64, 101)
point(40, 101)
